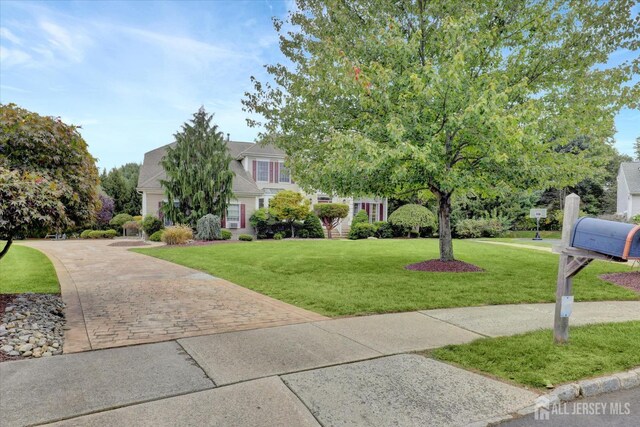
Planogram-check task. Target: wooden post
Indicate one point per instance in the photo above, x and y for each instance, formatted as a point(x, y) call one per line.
point(565, 281)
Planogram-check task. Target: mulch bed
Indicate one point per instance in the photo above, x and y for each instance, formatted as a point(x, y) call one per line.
point(630, 280)
point(202, 243)
point(5, 299)
point(129, 243)
point(435, 265)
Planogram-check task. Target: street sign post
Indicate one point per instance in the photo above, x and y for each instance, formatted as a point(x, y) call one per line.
point(537, 214)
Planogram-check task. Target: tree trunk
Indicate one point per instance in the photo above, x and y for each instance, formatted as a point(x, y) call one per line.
point(329, 230)
point(292, 231)
point(444, 227)
point(6, 246)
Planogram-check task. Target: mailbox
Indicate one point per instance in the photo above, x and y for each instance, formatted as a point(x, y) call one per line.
point(616, 239)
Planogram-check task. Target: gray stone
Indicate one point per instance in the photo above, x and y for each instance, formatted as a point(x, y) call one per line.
point(590, 387)
point(6, 348)
point(14, 353)
point(94, 381)
point(408, 390)
point(628, 380)
point(25, 347)
point(263, 402)
point(239, 356)
point(566, 392)
point(398, 332)
point(609, 384)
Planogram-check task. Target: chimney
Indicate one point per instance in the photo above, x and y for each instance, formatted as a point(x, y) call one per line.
point(228, 136)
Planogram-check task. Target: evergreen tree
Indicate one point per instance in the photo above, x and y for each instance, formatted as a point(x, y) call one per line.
point(636, 148)
point(198, 174)
point(120, 184)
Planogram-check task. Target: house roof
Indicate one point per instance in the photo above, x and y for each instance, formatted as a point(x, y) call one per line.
point(631, 172)
point(152, 171)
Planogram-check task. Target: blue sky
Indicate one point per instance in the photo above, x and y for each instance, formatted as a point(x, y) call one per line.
point(130, 73)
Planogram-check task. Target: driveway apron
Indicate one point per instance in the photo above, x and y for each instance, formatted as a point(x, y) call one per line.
point(115, 298)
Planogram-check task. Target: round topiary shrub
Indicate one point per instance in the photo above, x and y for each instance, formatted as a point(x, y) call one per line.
point(362, 217)
point(208, 228)
point(110, 234)
point(246, 237)
point(120, 219)
point(96, 234)
point(151, 224)
point(362, 230)
point(157, 236)
point(85, 234)
point(226, 234)
point(278, 236)
point(413, 217)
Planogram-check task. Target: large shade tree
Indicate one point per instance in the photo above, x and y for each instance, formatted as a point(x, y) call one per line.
point(198, 176)
point(385, 97)
point(45, 165)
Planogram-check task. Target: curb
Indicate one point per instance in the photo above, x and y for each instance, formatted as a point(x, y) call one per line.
point(568, 392)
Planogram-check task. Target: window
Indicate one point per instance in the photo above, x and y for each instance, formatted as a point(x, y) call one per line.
point(261, 203)
point(284, 175)
point(262, 171)
point(323, 198)
point(233, 213)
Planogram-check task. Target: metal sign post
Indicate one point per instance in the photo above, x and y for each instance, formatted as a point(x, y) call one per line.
point(537, 214)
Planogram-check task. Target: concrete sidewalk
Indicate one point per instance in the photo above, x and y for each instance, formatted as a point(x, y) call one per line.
point(349, 371)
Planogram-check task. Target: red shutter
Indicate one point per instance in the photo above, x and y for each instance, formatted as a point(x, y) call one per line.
point(367, 207)
point(363, 205)
point(276, 172)
point(243, 222)
point(381, 217)
point(255, 170)
point(223, 222)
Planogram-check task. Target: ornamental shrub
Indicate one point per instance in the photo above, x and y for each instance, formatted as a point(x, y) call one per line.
point(85, 234)
point(361, 218)
point(177, 235)
point(278, 236)
point(151, 224)
point(110, 234)
point(120, 219)
point(137, 218)
point(226, 234)
point(362, 230)
point(303, 234)
point(413, 217)
point(96, 234)
point(312, 227)
point(469, 228)
point(245, 237)
point(384, 230)
point(208, 228)
point(157, 236)
point(132, 227)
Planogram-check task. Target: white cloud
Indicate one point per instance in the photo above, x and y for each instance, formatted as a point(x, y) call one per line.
point(71, 46)
point(12, 57)
point(6, 34)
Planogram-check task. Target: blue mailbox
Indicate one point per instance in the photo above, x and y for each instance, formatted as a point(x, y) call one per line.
point(616, 239)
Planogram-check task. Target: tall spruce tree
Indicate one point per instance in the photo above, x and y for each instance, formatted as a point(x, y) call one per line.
point(198, 174)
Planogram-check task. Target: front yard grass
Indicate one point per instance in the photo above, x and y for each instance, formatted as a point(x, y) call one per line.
point(533, 360)
point(343, 277)
point(25, 269)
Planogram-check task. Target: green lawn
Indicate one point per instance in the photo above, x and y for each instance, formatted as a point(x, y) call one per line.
point(343, 277)
point(520, 241)
point(25, 269)
point(532, 359)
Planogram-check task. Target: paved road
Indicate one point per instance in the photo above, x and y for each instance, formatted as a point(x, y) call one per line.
point(115, 298)
point(618, 409)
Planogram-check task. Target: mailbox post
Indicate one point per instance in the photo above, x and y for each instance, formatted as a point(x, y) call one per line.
point(572, 261)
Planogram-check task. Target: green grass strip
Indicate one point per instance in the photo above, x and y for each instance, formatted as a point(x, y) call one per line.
point(532, 359)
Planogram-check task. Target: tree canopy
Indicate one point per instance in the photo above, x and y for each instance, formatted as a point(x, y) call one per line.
point(120, 183)
point(412, 216)
point(45, 164)
point(289, 206)
point(381, 98)
point(198, 176)
point(331, 214)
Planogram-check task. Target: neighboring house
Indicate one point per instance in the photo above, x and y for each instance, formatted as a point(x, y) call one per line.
point(259, 175)
point(629, 189)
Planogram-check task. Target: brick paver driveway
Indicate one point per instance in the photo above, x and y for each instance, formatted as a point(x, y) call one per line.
point(116, 297)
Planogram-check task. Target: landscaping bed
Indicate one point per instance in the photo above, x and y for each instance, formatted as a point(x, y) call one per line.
point(532, 359)
point(629, 280)
point(344, 277)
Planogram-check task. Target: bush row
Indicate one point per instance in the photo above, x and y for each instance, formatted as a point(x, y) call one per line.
point(98, 234)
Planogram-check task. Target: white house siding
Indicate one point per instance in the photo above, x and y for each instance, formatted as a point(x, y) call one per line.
point(623, 196)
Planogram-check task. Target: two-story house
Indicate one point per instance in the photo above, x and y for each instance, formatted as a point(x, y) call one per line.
point(260, 174)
